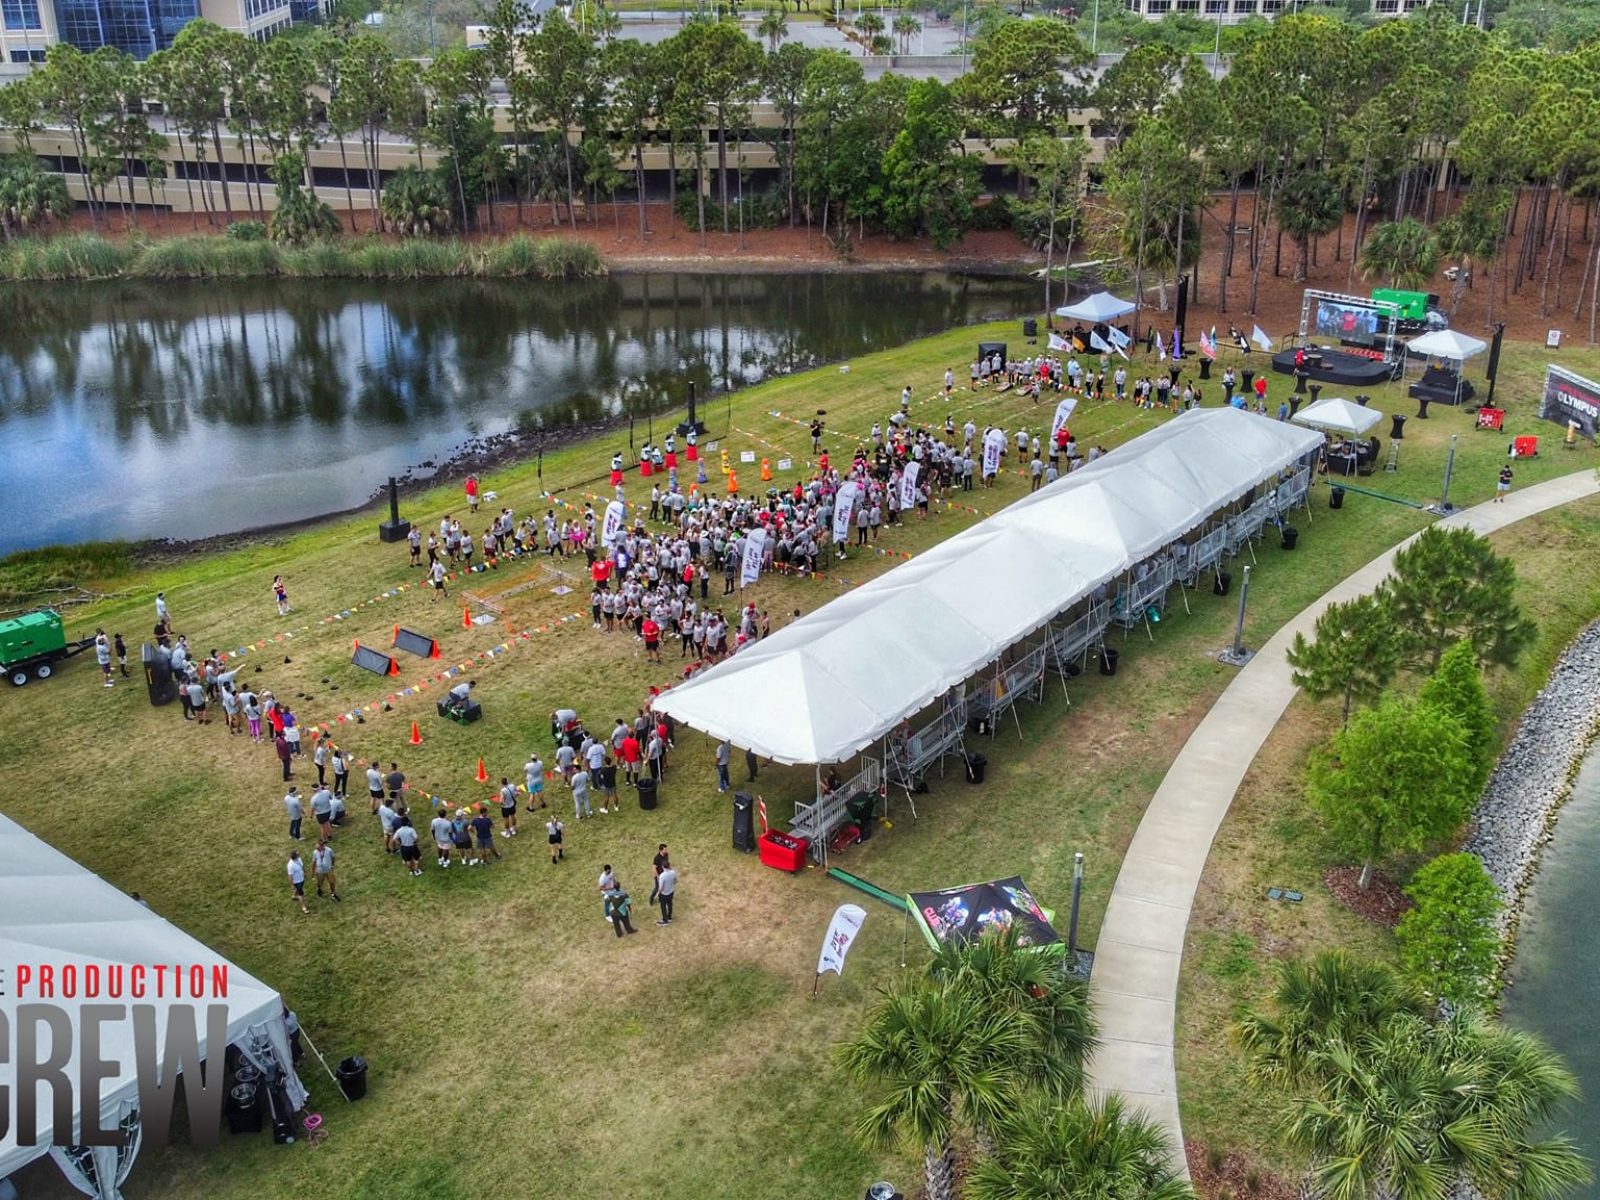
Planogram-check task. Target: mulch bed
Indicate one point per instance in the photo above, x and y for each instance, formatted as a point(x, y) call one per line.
point(1234, 1176)
point(1382, 903)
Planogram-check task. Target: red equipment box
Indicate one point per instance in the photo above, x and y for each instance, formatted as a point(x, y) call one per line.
point(1491, 418)
point(783, 852)
point(1525, 447)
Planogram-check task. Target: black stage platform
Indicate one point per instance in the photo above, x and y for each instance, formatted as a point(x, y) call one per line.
point(1336, 366)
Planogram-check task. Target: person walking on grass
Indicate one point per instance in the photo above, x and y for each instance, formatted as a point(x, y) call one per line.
point(618, 906)
point(405, 837)
point(658, 864)
point(341, 771)
point(443, 839)
point(319, 759)
point(483, 835)
point(667, 885)
point(296, 811)
point(280, 595)
point(579, 783)
point(533, 772)
point(508, 807)
point(102, 655)
point(606, 779)
point(388, 818)
point(436, 574)
point(1501, 488)
point(461, 837)
point(395, 781)
point(281, 745)
point(555, 830)
point(322, 869)
point(121, 648)
point(374, 785)
point(296, 871)
point(724, 751)
point(322, 810)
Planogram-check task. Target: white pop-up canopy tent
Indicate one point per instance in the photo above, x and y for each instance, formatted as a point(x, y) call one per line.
point(1097, 309)
point(828, 686)
point(56, 913)
point(1447, 344)
point(1338, 416)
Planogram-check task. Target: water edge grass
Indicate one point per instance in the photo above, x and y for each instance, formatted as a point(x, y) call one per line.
point(87, 256)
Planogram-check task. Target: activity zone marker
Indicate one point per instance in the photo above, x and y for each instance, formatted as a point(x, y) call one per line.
point(415, 643)
point(375, 661)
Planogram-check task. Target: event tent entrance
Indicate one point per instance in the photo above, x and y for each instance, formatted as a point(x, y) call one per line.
point(1097, 309)
point(55, 912)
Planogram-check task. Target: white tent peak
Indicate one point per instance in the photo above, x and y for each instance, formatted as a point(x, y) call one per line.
point(1100, 307)
point(1446, 343)
point(1339, 415)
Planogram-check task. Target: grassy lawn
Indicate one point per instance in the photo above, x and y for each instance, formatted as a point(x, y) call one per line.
point(1272, 838)
point(511, 1036)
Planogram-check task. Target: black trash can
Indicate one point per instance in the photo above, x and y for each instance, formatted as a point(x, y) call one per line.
point(1336, 497)
point(158, 680)
point(861, 809)
point(352, 1077)
point(1205, 368)
point(1030, 327)
point(244, 1108)
point(1291, 535)
point(647, 792)
point(1224, 581)
point(977, 764)
point(1108, 660)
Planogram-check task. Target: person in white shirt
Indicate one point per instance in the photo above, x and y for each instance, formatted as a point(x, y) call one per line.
point(666, 890)
point(296, 871)
point(443, 837)
point(436, 574)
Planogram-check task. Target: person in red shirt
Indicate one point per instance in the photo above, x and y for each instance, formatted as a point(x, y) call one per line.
point(631, 754)
point(651, 632)
point(601, 573)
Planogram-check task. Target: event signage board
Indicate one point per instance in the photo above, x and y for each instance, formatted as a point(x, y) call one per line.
point(750, 568)
point(616, 514)
point(1064, 412)
point(962, 914)
point(1571, 398)
point(843, 509)
point(842, 931)
point(908, 486)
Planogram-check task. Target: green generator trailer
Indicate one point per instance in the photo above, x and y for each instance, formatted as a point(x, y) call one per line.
point(31, 645)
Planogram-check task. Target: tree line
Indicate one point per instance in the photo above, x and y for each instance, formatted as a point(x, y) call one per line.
point(1445, 142)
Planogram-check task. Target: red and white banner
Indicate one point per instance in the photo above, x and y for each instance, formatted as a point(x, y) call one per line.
point(908, 486)
point(616, 514)
point(842, 932)
point(755, 546)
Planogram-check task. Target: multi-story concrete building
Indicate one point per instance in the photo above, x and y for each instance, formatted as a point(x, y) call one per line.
point(1231, 11)
point(137, 27)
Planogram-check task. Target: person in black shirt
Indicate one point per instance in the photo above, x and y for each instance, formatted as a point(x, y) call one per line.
point(657, 865)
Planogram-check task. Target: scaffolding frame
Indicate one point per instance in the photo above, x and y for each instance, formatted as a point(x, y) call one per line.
point(817, 820)
point(908, 757)
point(993, 695)
point(1073, 641)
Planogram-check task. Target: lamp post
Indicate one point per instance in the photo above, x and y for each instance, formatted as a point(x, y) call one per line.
point(1077, 897)
point(1237, 655)
point(1444, 505)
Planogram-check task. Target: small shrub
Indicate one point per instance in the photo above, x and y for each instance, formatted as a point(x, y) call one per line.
point(1216, 1159)
point(1252, 1180)
point(247, 231)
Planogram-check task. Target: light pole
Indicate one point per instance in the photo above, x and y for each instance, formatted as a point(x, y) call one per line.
point(1444, 505)
point(1077, 895)
point(1094, 30)
point(1236, 655)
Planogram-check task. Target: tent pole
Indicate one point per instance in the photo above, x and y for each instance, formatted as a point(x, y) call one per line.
point(905, 931)
point(823, 835)
point(307, 1040)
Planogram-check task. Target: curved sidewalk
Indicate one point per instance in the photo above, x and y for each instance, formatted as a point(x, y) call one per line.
point(1140, 947)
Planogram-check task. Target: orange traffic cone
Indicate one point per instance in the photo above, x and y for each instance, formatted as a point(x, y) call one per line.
point(396, 635)
point(416, 734)
point(482, 776)
point(466, 617)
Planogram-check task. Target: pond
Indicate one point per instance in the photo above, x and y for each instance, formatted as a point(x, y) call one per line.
point(185, 410)
point(1556, 973)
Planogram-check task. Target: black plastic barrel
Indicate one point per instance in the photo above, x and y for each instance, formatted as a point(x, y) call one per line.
point(1336, 498)
point(244, 1108)
point(1223, 582)
point(977, 764)
point(1108, 660)
point(1030, 327)
point(352, 1077)
point(1291, 535)
point(647, 792)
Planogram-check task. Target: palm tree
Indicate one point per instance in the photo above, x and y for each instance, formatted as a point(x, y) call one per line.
point(30, 196)
point(1015, 981)
point(870, 26)
point(1080, 1151)
point(1332, 996)
point(942, 1056)
point(1417, 1109)
point(1310, 204)
point(773, 27)
point(1405, 253)
point(1470, 235)
point(906, 27)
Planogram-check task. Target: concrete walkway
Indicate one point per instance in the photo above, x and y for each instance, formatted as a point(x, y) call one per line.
point(1140, 948)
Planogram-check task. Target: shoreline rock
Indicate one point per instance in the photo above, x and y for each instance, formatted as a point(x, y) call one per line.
point(1517, 812)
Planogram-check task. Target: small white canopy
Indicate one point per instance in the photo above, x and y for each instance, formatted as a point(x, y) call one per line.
point(837, 680)
point(1339, 416)
point(55, 913)
point(1100, 307)
point(1446, 343)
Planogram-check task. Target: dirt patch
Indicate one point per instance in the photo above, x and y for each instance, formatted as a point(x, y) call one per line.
point(1382, 902)
point(1233, 1175)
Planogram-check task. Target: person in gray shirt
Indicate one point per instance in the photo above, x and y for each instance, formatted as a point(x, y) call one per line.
point(579, 783)
point(296, 811)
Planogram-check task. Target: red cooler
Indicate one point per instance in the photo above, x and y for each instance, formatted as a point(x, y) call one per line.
point(782, 851)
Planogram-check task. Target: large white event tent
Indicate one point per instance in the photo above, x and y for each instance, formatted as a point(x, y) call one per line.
point(1338, 415)
point(828, 686)
point(1447, 344)
point(1097, 309)
point(56, 913)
